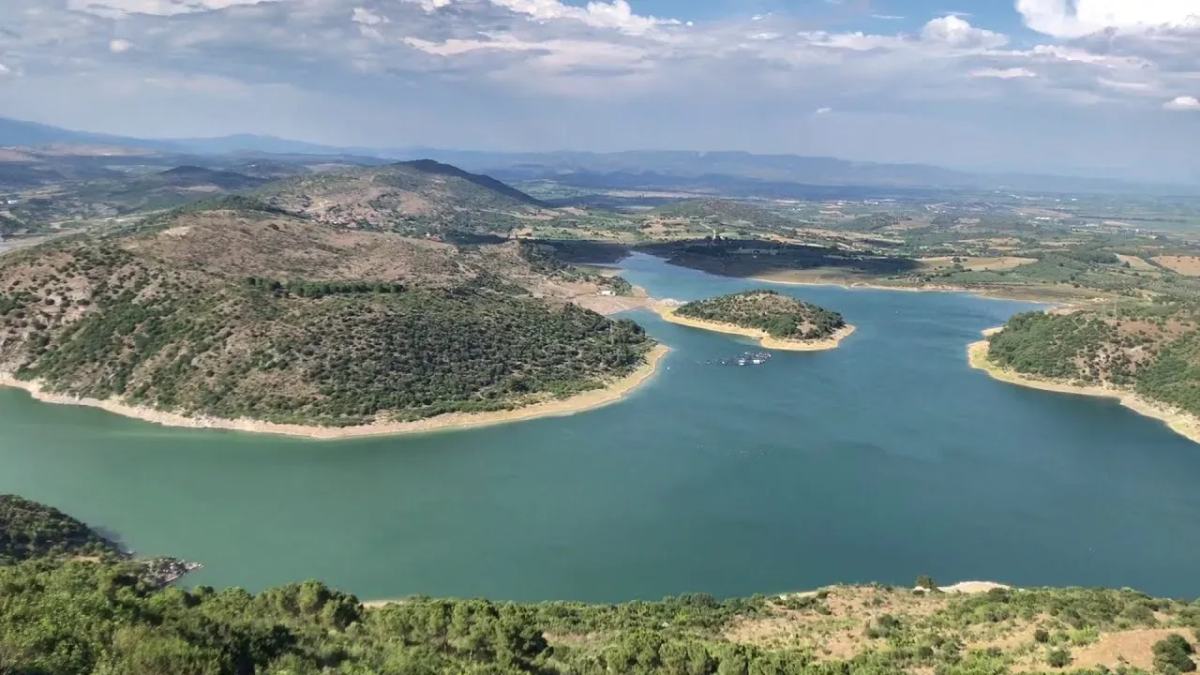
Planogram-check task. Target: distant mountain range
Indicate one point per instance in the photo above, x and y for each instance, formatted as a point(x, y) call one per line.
point(739, 172)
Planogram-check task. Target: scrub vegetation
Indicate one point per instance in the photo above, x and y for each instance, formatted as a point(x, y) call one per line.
point(63, 614)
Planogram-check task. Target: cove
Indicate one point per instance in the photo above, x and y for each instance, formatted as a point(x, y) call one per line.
point(878, 461)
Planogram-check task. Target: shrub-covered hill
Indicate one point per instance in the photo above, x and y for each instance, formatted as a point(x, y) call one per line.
point(1151, 349)
point(83, 617)
point(419, 198)
point(781, 316)
point(31, 530)
point(259, 314)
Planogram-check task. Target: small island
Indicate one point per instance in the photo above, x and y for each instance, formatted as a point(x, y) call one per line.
point(778, 321)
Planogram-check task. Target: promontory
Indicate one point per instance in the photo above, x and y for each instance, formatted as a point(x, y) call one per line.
point(1147, 356)
point(394, 303)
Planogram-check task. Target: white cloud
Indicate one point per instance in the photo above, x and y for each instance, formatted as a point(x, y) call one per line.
point(957, 32)
point(1003, 73)
point(1083, 17)
point(1183, 103)
point(599, 14)
point(4, 69)
point(887, 17)
point(156, 7)
point(574, 64)
point(366, 17)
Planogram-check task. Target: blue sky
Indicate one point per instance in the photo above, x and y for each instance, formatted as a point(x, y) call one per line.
point(1095, 87)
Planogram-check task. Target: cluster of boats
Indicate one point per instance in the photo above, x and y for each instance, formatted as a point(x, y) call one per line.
point(746, 359)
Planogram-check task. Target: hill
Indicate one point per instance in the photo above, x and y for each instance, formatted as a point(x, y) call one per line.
point(781, 316)
point(726, 171)
point(196, 177)
point(31, 530)
point(780, 174)
point(419, 198)
point(235, 309)
point(1151, 350)
point(77, 617)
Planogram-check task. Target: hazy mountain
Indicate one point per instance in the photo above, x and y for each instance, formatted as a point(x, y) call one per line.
point(714, 171)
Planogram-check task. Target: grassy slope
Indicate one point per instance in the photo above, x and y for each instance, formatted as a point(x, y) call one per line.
point(781, 316)
point(260, 314)
point(63, 617)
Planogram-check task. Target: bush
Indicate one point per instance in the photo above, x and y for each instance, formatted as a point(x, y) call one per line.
point(925, 581)
point(1040, 635)
point(1058, 657)
point(1173, 652)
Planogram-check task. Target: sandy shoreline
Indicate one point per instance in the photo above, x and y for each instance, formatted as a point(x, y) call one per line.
point(862, 285)
point(579, 403)
point(768, 342)
point(1182, 423)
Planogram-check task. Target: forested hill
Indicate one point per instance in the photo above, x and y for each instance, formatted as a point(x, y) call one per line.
point(31, 530)
point(239, 309)
point(781, 316)
point(1152, 349)
point(416, 198)
point(100, 616)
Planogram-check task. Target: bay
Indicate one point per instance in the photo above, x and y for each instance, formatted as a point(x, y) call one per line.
point(884, 459)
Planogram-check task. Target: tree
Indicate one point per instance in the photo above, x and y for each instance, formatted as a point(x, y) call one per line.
point(925, 581)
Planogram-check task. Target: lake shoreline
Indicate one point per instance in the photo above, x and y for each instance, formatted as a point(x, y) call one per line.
point(961, 588)
point(1183, 423)
point(578, 403)
point(832, 342)
point(982, 293)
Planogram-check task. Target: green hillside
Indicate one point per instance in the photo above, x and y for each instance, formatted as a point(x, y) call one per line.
point(1153, 350)
point(233, 311)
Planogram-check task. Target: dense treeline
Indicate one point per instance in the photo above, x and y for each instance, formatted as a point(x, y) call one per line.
point(320, 289)
point(1052, 345)
point(60, 615)
point(781, 316)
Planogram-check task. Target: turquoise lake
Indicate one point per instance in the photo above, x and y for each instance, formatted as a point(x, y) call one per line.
point(878, 461)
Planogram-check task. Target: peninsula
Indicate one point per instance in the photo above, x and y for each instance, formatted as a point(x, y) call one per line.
point(778, 321)
point(240, 313)
point(1143, 356)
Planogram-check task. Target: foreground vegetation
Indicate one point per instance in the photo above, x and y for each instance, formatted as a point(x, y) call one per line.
point(61, 614)
point(781, 316)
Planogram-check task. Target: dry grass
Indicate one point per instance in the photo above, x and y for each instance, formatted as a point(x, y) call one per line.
point(978, 264)
point(1187, 265)
point(835, 626)
point(1131, 646)
point(1137, 263)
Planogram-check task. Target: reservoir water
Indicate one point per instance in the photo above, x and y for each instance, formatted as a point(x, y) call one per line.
point(879, 461)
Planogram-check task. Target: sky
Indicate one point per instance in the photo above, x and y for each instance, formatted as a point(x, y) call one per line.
point(1083, 87)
